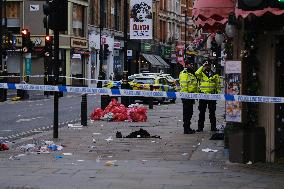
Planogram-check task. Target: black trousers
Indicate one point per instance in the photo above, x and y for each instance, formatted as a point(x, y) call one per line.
point(187, 113)
point(202, 109)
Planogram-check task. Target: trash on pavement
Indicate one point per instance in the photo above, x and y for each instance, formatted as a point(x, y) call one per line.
point(111, 163)
point(67, 154)
point(98, 159)
point(141, 133)
point(97, 114)
point(116, 111)
point(52, 147)
point(14, 158)
point(107, 117)
point(109, 139)
point(48, 142)
point(28, 147)
point(184, 154)
point(118, 134)
point(96, 133)
point(249, 163)
point(43, 150)
point(209, 150)
point(75, 125)
point(58, 157)
point(4, 146)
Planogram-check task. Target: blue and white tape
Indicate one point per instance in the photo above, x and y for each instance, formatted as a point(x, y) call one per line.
point(142, 93)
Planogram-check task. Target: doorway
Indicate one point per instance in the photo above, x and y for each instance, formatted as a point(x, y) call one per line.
point(279, 108)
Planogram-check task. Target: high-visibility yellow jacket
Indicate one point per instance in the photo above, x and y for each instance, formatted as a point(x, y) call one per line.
point(208, 85)
point(188, 82)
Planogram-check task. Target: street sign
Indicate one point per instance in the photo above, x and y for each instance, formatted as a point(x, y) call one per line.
point(129, 53)
point(28, 66)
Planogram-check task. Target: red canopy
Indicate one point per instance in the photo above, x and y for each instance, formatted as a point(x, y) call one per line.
point(211, 13)
point(258, 13)
point(213, 8)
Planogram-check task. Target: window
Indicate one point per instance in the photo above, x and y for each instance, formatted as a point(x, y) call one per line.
point(78, 20)
point(105, 14)
point(13, 16)
point(117, 16)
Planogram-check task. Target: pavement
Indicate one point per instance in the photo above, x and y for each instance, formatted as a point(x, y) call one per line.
point(94, 158)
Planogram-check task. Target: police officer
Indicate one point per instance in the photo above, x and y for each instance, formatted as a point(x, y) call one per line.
point(209, 83)
point(188, 84)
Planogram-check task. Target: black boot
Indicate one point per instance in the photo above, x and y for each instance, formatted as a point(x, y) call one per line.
point(188, 131)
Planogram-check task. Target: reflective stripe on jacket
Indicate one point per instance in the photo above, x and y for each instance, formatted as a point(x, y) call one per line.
point(188, 82)
point(208, 85)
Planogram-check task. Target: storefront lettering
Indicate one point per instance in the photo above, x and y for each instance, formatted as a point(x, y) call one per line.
point(79, 43)
point(141, 27)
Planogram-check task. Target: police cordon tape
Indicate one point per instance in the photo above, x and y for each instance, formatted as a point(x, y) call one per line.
point(142, 93)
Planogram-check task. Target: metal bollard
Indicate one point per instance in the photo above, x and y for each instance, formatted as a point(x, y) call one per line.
point(105, 100)
point(2, 91)
point(150, 99)
point(125, 100)
point(84, 110)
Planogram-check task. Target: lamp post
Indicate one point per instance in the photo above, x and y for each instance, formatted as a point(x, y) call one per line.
point(185, 29)
point(100, 76)
point(126, 68)
point(3, 92)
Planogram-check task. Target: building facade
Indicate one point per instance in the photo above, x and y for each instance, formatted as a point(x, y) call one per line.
point(146, 55)
point(73, 43)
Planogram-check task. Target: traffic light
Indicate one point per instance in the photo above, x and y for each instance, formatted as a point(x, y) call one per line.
point(251, 5)
point(106, 51)
point(48, 46)
point(277, 4)
point(56, 11)
point(26, 41)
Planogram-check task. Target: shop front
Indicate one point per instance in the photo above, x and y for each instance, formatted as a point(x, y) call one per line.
point(79, 56)
point(108, 56)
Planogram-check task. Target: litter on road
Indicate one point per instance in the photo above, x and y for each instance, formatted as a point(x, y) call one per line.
point(67, 154)
point(111, 163)
point(109, 139)
point(209, 150)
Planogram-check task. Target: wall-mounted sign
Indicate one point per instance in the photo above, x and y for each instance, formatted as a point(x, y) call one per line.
point(146, 47)
point(117, 45)
point(76, 56)
point(129, 53)
point(38, 41)
point(79, 43)
point(233, 87)
point(141, 26)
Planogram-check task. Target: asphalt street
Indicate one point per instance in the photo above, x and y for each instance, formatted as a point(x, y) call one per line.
point(24, 118)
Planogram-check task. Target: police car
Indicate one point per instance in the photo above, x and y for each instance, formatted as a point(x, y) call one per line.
point(159, 83)
point(143, 81)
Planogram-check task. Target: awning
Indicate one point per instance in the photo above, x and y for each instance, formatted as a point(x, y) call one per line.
point(211, 14)
point(152, 60)
point(258, 13)
point(162, 61)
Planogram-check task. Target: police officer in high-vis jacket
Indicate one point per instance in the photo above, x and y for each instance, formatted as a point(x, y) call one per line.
point(188, 84)
point(209, 83)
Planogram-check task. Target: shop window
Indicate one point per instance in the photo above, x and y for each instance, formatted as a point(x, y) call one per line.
point(78, 20)
point(76, 66)
point(117, 15)
point(13, 16)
